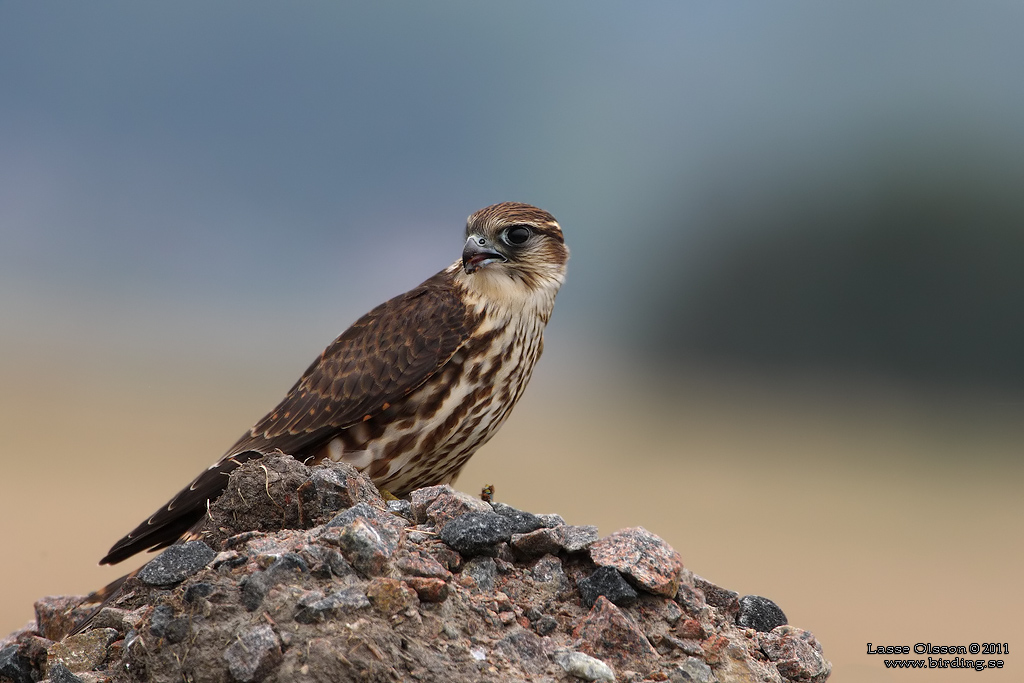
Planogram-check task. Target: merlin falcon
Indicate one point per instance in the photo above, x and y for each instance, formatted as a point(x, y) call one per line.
point(411, 390)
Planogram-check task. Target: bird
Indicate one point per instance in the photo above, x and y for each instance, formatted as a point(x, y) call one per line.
point(412, 389)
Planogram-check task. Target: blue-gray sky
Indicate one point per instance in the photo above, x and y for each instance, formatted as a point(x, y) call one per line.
point(297, 163)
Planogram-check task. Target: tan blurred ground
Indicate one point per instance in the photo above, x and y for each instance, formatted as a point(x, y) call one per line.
point(867, 515)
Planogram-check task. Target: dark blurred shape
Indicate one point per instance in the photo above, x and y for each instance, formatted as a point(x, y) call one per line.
point(908, 266)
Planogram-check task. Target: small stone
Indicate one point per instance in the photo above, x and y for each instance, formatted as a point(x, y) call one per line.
point(690, 599)
point(663, 609)
point(796, 653)
point(82, 652)
point(686, 645)
point(32, 649)
point(719, 597)
point(421, 499)
point(522, 522)
point(402, 508)
point(760, 614)
point(391, 596)
point(427, 589)
point(421, 564)
point(609, 583)
point(255, 588)
point(134, 619)
point(647, 559)
point(326, 563)
point(477, 533)
point(691, 670)
point(163, 624)
point(379, 518)
point(483, 571)
point(367, 545)
point(690, 629)
point(449, 506)
point(552, 540)
point(715, 647)
point(197, 591)
point(575, 538)
point(337, 563)
point(289, 564)
point(14, 667)
point(254, 654)
point(176, 564)
point(445, 556)
point(548, 569)
point(608, 633)
point(525, 648)
point(57, 615)
point(545, 625)
point(339, 486)
point(539, 542)
point(550, 520)
point(583, 666)
point(229, 559)
point(109, 617)
point(58, 673)
point(315, 608)
point(550, 578)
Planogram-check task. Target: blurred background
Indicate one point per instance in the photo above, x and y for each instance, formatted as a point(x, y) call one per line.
point(791, 338)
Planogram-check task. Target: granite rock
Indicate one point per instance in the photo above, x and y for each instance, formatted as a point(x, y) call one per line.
point(609, 583)
point(476, 533)
point(584, 666)
point(339, 486)
point(256, 586)
point(254, 654)
point(82, 652)
point(522, 522)
point(314, 607)
point(649, 561)
point(610, 635)
point(59, 673)
point(451, 599)
point(14, 666)
point(368, 545)
point(796, 653)
point(176, 564)
point(450, 505)
point(566, 538)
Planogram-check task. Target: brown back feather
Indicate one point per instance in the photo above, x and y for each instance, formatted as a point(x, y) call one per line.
point(378, 361)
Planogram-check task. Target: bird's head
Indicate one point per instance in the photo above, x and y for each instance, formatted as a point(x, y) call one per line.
point(513, 245)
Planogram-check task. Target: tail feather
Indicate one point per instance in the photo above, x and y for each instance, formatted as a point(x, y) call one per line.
point(172, 521)
point(104, 597)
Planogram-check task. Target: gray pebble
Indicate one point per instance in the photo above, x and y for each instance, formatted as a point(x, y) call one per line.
point(176, 564)
point(476, 533)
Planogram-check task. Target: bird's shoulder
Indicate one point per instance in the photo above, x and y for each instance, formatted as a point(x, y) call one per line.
point(385, 355)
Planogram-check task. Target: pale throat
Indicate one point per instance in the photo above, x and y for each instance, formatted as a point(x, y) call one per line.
point(499, 292)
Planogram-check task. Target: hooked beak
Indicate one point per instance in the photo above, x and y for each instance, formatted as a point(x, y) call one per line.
point(479, 253)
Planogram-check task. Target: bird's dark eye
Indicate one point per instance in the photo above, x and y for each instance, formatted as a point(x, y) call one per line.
point(518, 234)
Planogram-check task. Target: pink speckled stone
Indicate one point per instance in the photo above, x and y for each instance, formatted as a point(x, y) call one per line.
point(648, 560)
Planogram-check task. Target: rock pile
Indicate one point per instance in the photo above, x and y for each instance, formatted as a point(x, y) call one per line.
point(308, 574)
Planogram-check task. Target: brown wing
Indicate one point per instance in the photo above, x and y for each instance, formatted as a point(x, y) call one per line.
point(384, 356)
